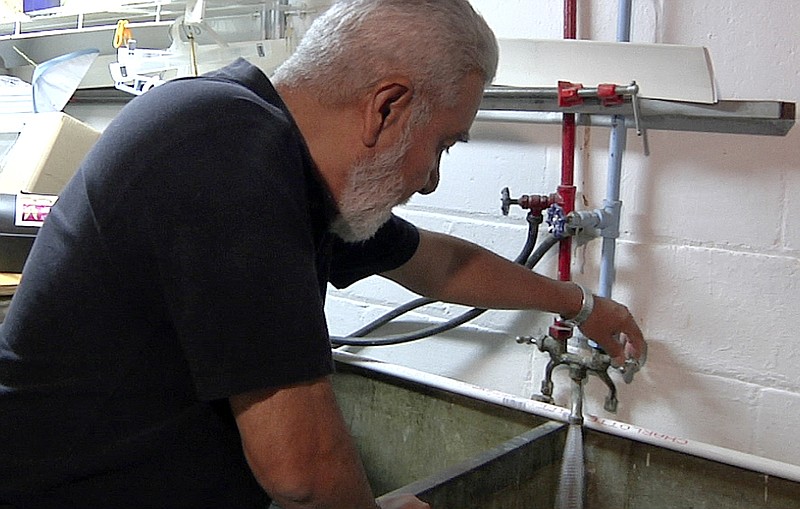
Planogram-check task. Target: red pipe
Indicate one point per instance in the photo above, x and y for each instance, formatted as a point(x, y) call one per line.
point(567, 189)
point(566, 192)
point(570, 19)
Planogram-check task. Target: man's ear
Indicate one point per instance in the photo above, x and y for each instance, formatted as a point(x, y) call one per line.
point(389, 103)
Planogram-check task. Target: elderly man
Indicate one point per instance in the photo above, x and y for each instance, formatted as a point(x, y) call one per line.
point(167, 346)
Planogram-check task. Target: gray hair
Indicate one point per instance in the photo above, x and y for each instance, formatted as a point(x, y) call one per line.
point(355, 43)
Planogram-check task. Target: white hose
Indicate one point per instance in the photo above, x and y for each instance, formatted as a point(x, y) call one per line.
point(571, 483)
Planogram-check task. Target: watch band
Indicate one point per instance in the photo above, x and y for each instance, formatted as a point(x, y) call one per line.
point(587, 306)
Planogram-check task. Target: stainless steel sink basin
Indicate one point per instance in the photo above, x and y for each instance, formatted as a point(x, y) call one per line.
point(455, 451)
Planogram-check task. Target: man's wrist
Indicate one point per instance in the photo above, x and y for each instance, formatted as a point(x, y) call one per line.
point(587, 306)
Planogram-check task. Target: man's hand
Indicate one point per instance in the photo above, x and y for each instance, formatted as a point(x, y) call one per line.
point(612, 326)
point(401, 502)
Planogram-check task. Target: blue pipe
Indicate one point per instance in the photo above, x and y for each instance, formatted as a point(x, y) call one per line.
point(624, 21)
point(612, 207)
point(612, 204)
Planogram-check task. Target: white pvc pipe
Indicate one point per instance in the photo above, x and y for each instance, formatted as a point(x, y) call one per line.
point(629, 431)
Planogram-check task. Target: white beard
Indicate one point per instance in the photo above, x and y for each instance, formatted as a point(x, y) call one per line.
point(374, 188)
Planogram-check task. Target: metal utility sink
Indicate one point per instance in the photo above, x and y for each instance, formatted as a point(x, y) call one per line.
point(454, 451)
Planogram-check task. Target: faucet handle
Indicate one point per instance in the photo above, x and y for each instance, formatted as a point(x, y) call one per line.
point(630, 368)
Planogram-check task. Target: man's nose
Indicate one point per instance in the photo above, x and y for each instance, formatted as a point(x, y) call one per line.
point(433, 182)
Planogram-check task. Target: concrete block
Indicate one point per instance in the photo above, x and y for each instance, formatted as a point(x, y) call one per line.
point(483, 358)
point(775, 424)
point(675, 400)
point(375, 289)
point(786, 374)
point(710, 191)
point(498, 155)
point(346, 315)
point(712, 307)
point(503, 236)
point(791, 225)
point(747, 43)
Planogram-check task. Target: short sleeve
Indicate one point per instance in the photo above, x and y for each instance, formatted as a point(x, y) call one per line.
point(392, 246)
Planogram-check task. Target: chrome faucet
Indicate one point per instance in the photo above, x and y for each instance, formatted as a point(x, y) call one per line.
point(590, 361)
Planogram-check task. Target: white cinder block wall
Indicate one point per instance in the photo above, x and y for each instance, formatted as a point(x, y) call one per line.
point(709, 254)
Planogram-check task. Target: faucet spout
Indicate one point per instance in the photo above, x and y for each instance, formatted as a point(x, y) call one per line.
point(577, 375)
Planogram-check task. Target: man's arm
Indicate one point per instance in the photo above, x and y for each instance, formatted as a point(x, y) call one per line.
point(298, 447)
point(454, 270)
point(300, 451)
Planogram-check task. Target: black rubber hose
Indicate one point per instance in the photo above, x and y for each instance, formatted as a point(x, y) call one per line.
point(391, 315)
point(529, 257)
point(541, 250)
point(534, 221)
point(410, 336)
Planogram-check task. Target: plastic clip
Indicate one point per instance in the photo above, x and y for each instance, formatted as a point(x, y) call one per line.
point(568, 94)
point(607, 92)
